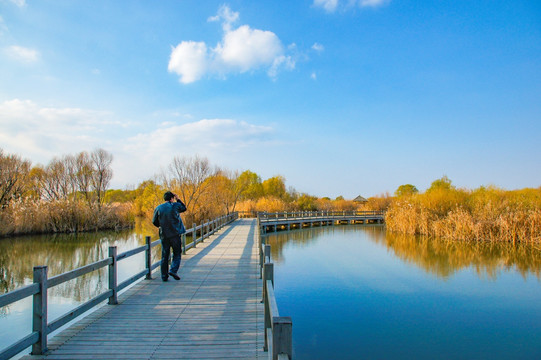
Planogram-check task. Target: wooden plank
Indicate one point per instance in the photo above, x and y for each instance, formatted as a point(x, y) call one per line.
point(213, 312)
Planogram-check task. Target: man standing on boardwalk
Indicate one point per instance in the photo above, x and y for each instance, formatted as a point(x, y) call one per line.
point(167, 218)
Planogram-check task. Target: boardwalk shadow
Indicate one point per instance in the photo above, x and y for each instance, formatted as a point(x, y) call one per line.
point(214, 243)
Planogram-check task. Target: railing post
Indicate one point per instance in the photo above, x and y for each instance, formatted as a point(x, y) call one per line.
point(39, 315)
point(282, 337)
point(113, 276)
point(202, 230)
point(268, 274)
point(267, 252)
point(261, 261)
point(148, 256)
point(183, 239)
point(194, 235)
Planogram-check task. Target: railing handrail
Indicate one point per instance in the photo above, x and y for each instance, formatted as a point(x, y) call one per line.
point(264, 216)
point(41, 328)
point(278, 329)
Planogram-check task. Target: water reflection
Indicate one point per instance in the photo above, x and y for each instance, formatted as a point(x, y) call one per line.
point(64, 252)
point(359, 292)
point(439, 257)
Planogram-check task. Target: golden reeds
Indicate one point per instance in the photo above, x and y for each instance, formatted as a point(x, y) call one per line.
point(483, 214)
point(39, 217)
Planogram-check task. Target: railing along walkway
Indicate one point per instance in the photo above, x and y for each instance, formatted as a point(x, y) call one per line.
point(213, 312)
point(287, 220)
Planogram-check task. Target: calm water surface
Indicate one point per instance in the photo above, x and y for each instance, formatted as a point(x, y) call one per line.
point(358, 292)
point(353, 291)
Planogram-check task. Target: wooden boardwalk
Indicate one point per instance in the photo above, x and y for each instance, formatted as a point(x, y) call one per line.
point(213, 312)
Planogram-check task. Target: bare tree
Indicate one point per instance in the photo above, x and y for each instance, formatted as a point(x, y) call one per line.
point(13, 174)
point(102, 174)
point(188, 175)
point(83, 175)
point(57, 184)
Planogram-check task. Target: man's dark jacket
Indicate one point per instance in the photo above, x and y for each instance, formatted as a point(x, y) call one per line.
point(167, 218)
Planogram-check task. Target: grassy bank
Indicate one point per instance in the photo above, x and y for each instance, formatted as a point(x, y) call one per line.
point(484, 214)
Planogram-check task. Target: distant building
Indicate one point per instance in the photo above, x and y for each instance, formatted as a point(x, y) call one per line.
point(359, 199)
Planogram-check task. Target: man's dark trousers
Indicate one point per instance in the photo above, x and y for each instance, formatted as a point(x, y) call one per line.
point(167, 244)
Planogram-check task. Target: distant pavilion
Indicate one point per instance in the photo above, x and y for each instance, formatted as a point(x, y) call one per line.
point(359, 199)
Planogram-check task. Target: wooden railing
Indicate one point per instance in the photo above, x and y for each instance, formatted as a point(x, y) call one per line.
point(278, 329)
point(287, 220)
point(41, 328)
point(371, 214)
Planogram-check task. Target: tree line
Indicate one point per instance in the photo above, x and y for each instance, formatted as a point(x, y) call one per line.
point(66, 195)
point(72, 193)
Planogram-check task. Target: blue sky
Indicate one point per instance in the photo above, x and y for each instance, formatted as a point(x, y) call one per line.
point(341, 97)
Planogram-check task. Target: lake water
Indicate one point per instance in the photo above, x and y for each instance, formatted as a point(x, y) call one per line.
point(358, 292)
point(62, 253)
point(352, 291)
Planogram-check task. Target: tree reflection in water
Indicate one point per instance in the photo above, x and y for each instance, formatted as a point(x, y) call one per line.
point(440, 257)
point(65, 252)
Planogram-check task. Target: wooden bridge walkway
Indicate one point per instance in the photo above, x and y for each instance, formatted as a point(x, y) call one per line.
point(213, 312)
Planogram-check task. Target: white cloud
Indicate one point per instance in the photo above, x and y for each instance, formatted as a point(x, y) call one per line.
point(372, 3)
point(145, 154)
point(39, 133)
point(22, 54)
point(244, 48)
point(228, 16)
point(328, 5)
point(318, 47)
point(332, 5)
point(240, 50)
point(280, 62)
point(313, 76)
point(202, 135)
point(19, 3)
point(189, 60)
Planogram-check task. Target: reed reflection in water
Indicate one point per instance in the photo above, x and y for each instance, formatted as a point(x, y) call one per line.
point(439, 257)
point(361, 292)
point(62, 253)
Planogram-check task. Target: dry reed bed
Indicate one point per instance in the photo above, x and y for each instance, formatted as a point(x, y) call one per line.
point(482, 215)
point(41, 217)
